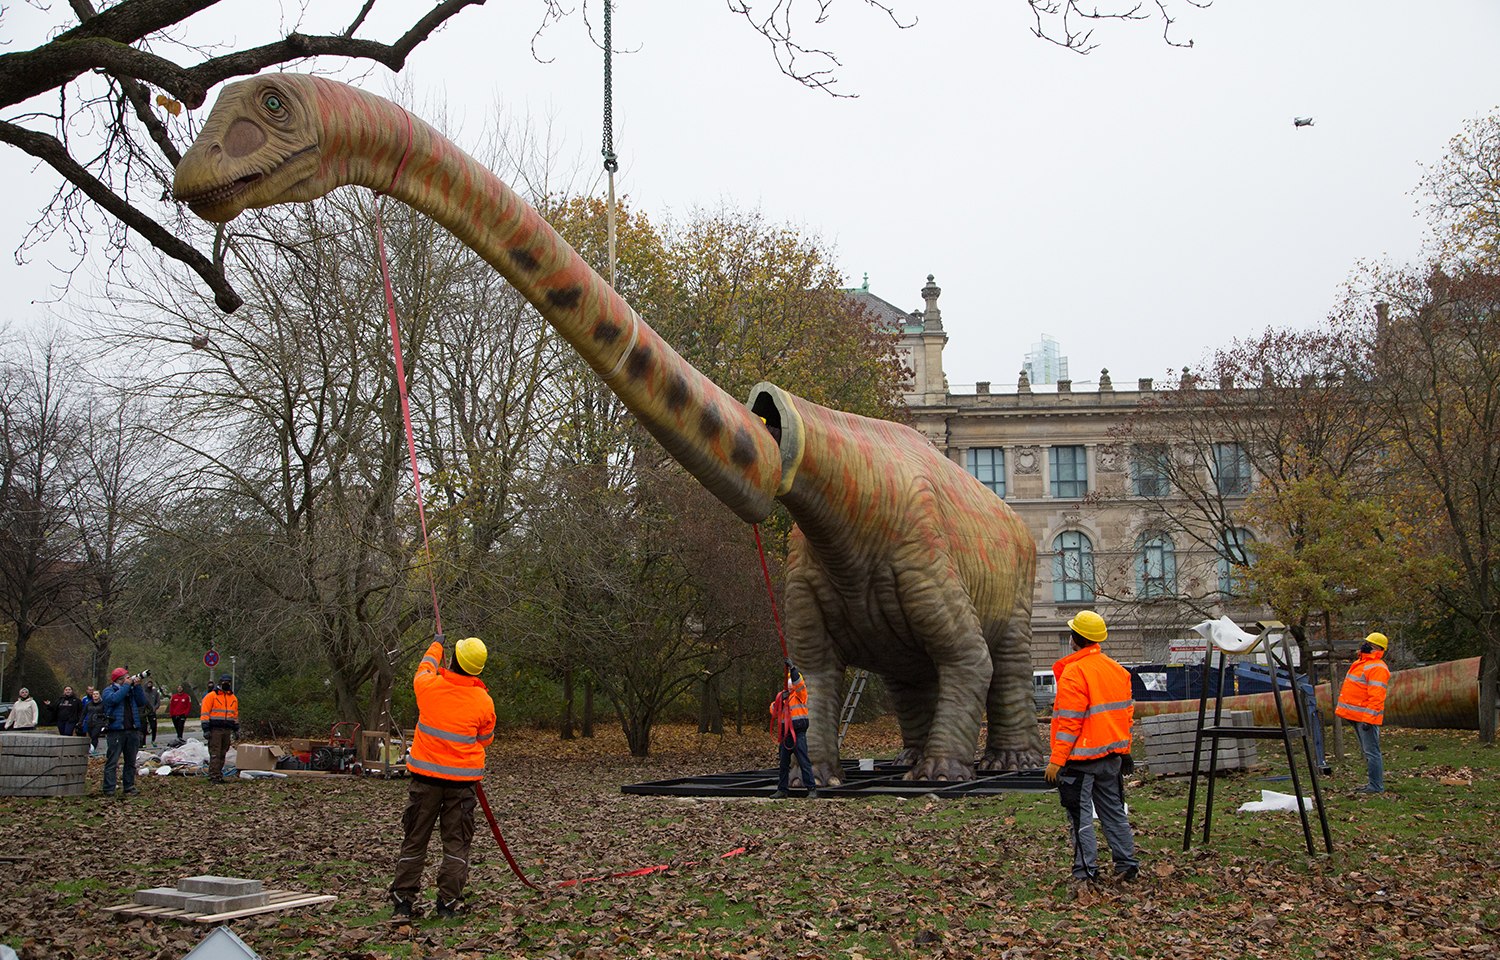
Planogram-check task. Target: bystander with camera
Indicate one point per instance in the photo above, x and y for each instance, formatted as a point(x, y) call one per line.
point(124, 702)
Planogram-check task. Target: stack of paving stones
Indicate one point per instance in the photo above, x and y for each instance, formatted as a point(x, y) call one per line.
point(42, 765)
point(206, 895)
point(1164, 743)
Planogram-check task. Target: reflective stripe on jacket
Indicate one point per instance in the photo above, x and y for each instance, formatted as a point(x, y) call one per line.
point(1362, 697)
point(455, 721)
point(220, 710)
point(797, 700)
point(1092, 713)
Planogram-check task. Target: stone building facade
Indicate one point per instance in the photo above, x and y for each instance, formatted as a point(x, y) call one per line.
point(1054, 454)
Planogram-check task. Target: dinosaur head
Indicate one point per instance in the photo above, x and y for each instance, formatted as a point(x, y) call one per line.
point(260, 146)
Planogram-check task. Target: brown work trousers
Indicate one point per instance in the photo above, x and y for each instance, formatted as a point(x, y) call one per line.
point(428, 803)
point(218, 746)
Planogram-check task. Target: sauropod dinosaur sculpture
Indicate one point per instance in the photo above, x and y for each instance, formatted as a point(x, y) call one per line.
point(901, 562)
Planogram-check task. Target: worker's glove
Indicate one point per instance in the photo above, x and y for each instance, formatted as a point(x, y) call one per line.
point(1051, 774)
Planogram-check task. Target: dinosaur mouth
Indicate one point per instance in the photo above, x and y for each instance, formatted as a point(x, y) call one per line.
point(221, 194)
point(224, 195)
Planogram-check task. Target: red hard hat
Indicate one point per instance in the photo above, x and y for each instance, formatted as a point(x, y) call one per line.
point(117, 674)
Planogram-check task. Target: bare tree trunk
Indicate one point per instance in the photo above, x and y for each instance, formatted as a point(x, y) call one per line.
point(565, 729)
point(588, 706)
point(710, 710)
point(637, 727)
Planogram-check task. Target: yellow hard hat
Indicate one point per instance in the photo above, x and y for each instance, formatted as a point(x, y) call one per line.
point(470, 652)
point(1089, 625)
point(1378, 639)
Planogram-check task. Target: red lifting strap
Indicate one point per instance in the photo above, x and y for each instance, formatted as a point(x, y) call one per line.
point(484, 803)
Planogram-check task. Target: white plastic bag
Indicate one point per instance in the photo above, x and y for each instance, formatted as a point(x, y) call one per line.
point(1271, 800)
point(193, 753)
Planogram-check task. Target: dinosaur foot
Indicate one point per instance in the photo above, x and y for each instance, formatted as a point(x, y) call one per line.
point(909, 757)
point(941, 768)
point(828, 774)
point(1004, 759)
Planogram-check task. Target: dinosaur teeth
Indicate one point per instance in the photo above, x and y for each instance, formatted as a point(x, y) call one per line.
point(220, 193)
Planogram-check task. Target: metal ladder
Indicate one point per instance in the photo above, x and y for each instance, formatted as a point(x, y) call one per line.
point(1215, 729)
point(851, 701)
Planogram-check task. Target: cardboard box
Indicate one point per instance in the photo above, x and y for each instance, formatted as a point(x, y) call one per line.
point(252, 756)
point(298, 745)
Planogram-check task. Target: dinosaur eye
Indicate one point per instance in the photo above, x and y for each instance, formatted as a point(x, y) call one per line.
point(273, 103)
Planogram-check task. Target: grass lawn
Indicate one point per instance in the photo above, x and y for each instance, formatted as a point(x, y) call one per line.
point(1415, 872)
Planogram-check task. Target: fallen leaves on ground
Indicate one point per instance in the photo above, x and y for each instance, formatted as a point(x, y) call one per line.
point(1413, 875)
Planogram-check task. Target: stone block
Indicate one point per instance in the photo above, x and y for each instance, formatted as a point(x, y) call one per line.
point(42, 745)
point(210, 904)
point(167, 897)
point(219, 886)
point(21, 766)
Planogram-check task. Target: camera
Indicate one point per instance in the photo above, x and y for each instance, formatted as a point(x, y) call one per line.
point(138, 677)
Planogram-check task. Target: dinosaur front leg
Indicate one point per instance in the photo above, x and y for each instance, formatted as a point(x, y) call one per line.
point(813, 652)
point(1013, 742)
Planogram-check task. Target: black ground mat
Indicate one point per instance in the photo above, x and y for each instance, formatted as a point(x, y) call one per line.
point(884, 780)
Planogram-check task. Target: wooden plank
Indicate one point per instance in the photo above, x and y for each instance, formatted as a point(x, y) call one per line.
point(280, 900)
point(303, 901)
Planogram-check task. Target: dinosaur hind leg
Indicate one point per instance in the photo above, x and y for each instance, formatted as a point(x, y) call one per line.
point(942, 616)
point(914, 700)
point(1012, 742)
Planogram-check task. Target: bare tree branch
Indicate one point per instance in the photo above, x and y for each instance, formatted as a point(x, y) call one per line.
point(779, 28)
point(50, 150)
point(1068, 24)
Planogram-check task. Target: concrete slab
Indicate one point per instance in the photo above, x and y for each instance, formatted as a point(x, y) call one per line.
point(167, 897)
point(220, 886)
point(207, 904)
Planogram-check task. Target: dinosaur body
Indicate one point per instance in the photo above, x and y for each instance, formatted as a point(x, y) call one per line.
point(902, 563)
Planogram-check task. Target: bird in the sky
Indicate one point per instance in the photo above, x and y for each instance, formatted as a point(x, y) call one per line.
point(1302, 121)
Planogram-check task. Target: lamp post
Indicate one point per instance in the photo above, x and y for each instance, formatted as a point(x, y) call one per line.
point(234, 679)
point(4, 647)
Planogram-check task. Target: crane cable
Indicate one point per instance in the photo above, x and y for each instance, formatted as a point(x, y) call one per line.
point(611, 163)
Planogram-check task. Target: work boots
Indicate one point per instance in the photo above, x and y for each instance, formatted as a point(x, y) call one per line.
point(450, 908)
point(401, 908)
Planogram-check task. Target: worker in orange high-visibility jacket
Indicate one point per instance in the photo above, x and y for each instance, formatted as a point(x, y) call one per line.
point(789, 723)
point(220, 712)
point(455, 722)
point(1362, 702)
point(1090, 751)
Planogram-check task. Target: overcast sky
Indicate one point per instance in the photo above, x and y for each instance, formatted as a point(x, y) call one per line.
point(1141, 205)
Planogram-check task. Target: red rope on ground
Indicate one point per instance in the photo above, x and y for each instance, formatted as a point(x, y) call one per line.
point(484, 803)
point(645, 871)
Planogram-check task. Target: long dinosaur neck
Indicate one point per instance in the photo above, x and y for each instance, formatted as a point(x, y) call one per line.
point(373, 142)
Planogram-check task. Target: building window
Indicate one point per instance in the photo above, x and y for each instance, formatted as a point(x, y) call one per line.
point(1148, 469)
point(987, 465)
point(1231, 469)
point(1155, 566)
point(1236, 554)
point(1072, 568)
point(1070, 472)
